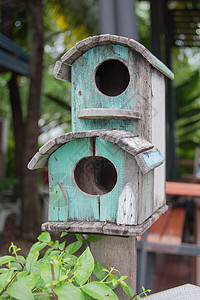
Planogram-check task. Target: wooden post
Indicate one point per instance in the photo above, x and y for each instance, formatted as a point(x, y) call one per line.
point(121, 253)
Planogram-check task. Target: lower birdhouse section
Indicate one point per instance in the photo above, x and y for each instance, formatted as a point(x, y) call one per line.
point(101, 181)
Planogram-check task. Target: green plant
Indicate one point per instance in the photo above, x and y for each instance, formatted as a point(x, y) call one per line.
point(58, 274)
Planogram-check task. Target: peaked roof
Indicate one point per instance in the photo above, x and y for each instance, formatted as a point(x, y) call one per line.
point(138, 147)
point(62, 68)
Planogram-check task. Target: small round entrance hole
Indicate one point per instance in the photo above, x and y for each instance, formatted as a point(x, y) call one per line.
point(112, 77)
point(95, 175)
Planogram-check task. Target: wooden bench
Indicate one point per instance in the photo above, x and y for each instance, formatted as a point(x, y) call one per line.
point(165, 235)
point(168, 229)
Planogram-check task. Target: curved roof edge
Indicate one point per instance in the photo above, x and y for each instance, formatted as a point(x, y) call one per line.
point(127, 140)
point(62, 68)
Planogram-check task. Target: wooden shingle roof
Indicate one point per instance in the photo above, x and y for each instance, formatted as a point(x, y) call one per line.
point(127, 140)
point(62, 68)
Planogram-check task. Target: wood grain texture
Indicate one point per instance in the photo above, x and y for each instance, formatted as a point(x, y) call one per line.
point(158, 135)
point(59, 201)
point(109, 202)
point(108, 39)
point(127, 211)
point(146, 192)
point(60, 167)
point(62, 71)
point(105, 228)
point(126, 140)
point(169, 228)
point(149, 160)
point(143, 102)
point(120, 252)
point(107, 113)
point(86, 95)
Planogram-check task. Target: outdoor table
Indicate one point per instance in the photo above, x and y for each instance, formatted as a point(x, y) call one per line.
point(183, 292)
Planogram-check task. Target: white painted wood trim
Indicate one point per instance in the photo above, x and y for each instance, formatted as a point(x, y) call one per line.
point(127, 206)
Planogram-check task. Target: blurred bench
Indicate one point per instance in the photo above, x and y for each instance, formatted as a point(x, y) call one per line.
point(165, 235)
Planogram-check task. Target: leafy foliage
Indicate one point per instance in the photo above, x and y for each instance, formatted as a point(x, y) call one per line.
point(188, 116)
point(59, 274)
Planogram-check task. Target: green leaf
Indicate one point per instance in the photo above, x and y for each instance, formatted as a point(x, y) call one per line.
point(99, 290)
point(37, 246)
point(63, 234)
point(19, 290)
point(115, 281)
point(15, 265)
point(35, 269)
point(68, 291)
point(21, 259)
point(94, 238)
point(6, 277)
point(72, 248)
point(31, 259)
point(98, 270)
point(5, 259)
point(84, 267)
point(127, 289)
point(45, 272)
point(70, 261)
point(61, 246)
point(78, 236)
point(44, 237)
point(30, 280)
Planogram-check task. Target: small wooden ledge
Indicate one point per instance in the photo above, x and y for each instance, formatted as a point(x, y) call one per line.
point(108, 113)
point(104, 228)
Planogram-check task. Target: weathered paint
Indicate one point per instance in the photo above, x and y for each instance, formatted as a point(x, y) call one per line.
point(58, 202)
point(158, 135)
point(61, 165)
point(146, 196)
point(86, 95)
point(109, 202)
point(127, 206)
point(152, 159)
point(81, 205)
point(163, 68)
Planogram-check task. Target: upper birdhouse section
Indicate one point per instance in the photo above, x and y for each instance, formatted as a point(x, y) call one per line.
point(111, 80)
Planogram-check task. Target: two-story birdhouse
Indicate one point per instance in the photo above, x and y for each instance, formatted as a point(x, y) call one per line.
point(108, 174)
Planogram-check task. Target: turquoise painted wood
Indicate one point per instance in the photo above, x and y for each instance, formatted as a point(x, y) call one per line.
point(109, 202)
point(61, 165)
point(86, 95)
point(81, 205)
point(58, 202)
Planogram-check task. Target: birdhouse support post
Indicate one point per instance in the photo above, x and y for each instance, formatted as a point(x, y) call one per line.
point(120, 253)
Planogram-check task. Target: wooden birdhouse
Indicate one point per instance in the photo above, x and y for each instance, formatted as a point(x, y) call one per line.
point(108, 174)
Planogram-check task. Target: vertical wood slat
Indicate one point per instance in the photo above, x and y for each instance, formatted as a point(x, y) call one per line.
point(61, 165)
point(158, 135)
point(109, 202)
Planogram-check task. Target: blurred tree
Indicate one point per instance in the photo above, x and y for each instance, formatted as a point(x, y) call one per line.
point(34, 25)
point(26, 131)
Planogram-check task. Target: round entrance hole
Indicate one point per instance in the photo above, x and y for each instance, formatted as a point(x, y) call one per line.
point(95, 175)
point(112, 77)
